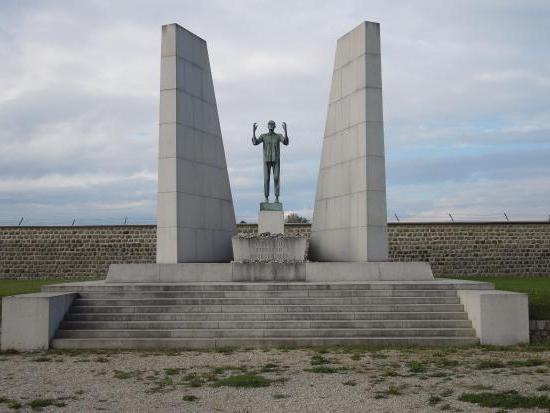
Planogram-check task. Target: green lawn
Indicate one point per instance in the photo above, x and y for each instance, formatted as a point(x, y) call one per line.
point(538, 289)
point(12, 287)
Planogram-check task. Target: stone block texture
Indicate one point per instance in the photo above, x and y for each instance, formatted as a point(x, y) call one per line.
point(195, 213)
point(460, 249)
point(349, 218)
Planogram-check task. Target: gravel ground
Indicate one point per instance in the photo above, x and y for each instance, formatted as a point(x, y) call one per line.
point(347, 379)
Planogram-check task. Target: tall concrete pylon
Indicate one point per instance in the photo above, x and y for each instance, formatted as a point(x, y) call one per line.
point(195, 215)
point(349, 218)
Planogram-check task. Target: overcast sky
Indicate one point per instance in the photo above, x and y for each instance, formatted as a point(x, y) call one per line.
point(466, 88)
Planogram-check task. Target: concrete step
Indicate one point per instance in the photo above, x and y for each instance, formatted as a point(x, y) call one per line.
point(266, 294)
point(460, 315)
point(265, 301)
point(268, 333)
point(281, 324)
point(248, 342)
point(278, 286)
point(267, 308)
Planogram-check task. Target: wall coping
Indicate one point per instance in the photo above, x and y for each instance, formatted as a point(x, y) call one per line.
point(304, 225)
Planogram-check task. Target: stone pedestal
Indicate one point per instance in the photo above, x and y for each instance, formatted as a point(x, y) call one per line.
point(271, 218)
point(278, 248)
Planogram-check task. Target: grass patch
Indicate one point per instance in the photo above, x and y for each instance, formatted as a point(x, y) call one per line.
point(490, 364)
point(123, 375)
point(41, 359)
point(279, 396)
point(544, 387)
point(13, 287)
point(39, 404)
point(12, 404)
point(318, 360)
point(445, 363)
point(433, 400)
point(270, 368)
point(244, 380)
point(189, 398)
point(417, 367)
point(478, 387)
point(391, 391)
point(162, 386)
point(525, 363)
point(196, 382)
point(327, 369)
point(507, 400)
point(538, 289)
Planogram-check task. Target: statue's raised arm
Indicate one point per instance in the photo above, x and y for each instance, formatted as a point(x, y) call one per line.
point(255, 141)
point(285, 139)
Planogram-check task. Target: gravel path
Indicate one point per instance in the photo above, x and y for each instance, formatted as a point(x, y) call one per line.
point(342, 380)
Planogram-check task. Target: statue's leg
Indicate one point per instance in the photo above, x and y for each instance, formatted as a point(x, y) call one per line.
point(267, 178)
point(276, 170)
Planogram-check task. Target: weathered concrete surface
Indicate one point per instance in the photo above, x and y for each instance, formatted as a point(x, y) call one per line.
point(499, 317)
point(269, 249)
point(305, 271)
point(168, 273)
point(195, 212)
point(349, 218)
point(29, 321)
point(368, 271)
point(271, 221)
point(269, 271)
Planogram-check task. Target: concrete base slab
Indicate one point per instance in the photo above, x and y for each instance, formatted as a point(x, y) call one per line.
point(280, 248)
point(29, 321)
point(306, 271)
point(269, 272)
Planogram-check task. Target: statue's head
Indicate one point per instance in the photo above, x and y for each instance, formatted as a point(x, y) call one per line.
point(271, 125)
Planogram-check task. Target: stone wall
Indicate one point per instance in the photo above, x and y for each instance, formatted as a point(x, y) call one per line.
point(73, 252)
point(484, 249)
point(496, 249)
point(539, 330)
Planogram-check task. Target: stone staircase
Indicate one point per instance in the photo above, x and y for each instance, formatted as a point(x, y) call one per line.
point(220, 315)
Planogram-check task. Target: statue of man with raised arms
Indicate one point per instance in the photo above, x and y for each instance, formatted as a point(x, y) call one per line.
point(272, 158)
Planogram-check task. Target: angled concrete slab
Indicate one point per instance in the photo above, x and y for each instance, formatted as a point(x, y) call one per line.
point(349, 218)
point(195, 214)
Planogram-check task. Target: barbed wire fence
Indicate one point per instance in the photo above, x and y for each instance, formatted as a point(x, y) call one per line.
point(394, 217)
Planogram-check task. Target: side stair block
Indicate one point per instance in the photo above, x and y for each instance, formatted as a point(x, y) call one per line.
point(498, 317)
point(29, 321)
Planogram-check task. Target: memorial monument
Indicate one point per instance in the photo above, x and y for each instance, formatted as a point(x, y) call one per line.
point(270, 295)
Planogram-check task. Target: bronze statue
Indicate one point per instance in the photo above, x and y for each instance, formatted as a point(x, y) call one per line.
point(272, 158)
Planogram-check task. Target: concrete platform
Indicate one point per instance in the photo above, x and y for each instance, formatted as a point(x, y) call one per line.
point(304, 271)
